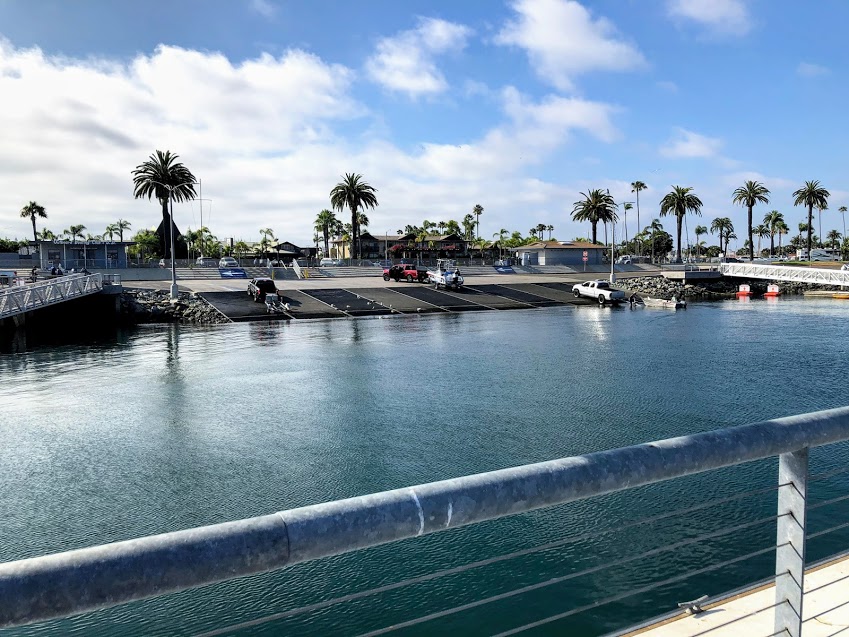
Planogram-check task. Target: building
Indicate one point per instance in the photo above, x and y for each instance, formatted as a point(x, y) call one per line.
point(379, 246)
point(570, 253)
point(79, 255)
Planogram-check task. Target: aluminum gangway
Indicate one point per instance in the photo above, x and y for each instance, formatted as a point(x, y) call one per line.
point(32, 296)
point(824, 276)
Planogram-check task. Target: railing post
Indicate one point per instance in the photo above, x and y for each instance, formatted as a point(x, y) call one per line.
point(790, 542)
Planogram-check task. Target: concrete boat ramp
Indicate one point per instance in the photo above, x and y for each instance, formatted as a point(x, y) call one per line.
point(345, 300)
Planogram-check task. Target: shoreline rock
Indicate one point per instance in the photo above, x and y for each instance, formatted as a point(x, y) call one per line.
point(659, 287)
point(154, 306)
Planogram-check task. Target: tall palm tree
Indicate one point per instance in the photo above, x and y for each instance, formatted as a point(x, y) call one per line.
point(781, 229)
point(656, 228)
point(76, 232)
point(700, 230)
point(469, 226)
point(441, 226)
point(326, 223)
point(811, 195)
point(121, 225)
point(240, 248)
point(750, 194)
point(626, 207)
point(477, 211)
point(46, 235)
point(721, 226)
point(679, 201)
point(163, 177)
point(541, 231)
point(728, 234)
point(550, 229)
point(362, 222)
point(842, 210)
point(33, 210)
point(110, 231)
point(760, 231)
point(834, 237)
point(771, 221)
point(501, 234)
point(636, 187)
point(355, 194)
point(597, 206)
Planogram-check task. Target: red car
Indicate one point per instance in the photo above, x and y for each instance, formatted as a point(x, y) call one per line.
point(407, 271)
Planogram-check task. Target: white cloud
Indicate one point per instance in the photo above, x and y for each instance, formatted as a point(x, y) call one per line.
point(77, 128)
point(563, 40)
point(726, 17)
point(806, 69)
point(405, 62)
point(263, 7)
point(689, 145)
point(666, 85)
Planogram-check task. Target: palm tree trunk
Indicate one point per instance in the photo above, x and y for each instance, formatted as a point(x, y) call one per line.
point(751, 240)
point(678, 256)
point(326, 230)
point(810, 227)
point(638, 218)
point(594, 230)
point(772, 244)
point(165, 243)
point(34, 234)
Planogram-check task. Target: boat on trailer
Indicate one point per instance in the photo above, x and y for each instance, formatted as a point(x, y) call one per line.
point(445, 274)
point(671, 304)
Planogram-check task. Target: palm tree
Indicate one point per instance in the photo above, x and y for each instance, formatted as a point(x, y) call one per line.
point(728, 235)
point(163, 177)
point(810, 195)
point(122, 225)
point(781, 228)
point(480, 242)
point(656, 228)
point(477, 211)
point(441, 226)
point(679, 201)
point(362, 222)
point(750, 194)
point(626, 207)
point(700, 230)
point(46, 235)
point(541, 231)
point(326, 223)
point(240, 248)
point(76, 231)
point(771, 221)
point(110, 231)
point(500, 234)
point(761, 231)
point(469, 226)
point(842, 210)
point(720, 226)
point(597, 206)
point(834, 237)
point(636, 187)
point(33, 210)
point(354, 193)
point(550, 229)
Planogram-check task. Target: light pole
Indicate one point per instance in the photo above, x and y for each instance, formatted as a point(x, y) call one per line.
point(170, 189)
point(386, 246)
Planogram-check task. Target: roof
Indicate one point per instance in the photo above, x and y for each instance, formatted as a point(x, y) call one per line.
point(561, 245)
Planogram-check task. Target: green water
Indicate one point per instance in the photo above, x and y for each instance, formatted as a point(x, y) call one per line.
point(165, 428)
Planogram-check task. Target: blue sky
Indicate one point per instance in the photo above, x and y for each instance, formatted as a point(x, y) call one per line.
point(518, 106)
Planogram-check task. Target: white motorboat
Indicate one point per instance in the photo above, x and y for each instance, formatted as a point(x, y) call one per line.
point(445, 274)
point(673, 304)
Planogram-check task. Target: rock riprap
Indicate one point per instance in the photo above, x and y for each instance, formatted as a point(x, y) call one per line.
point(661, 288)
point(154, 306)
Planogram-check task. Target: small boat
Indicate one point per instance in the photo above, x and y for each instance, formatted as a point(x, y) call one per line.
point(673, 304)
point(772, 290)
point(744, 291)
point(446, 274)
point(841, 295)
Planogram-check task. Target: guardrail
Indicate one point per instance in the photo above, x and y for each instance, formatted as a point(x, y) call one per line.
point(824, 276)
point(82, 580)
point(25, 298)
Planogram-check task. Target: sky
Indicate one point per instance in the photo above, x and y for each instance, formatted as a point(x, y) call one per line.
point(518, 106)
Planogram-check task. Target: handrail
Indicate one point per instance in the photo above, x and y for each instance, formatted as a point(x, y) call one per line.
point(25, 298)
point(826, 276)
point(297, 268)
point(101, 576)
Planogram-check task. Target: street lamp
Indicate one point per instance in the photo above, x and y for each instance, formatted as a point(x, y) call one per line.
point(386, 246)
point(170, 189)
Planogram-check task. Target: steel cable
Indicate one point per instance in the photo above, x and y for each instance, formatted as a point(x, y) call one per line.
point(485, 562)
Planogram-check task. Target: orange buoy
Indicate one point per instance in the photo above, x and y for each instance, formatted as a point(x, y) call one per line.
point(772, 291)
point(744, 291)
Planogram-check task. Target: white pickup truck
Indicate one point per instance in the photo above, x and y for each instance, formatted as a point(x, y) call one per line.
point(600, 290)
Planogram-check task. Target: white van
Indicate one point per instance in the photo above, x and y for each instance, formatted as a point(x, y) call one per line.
point(817, 254)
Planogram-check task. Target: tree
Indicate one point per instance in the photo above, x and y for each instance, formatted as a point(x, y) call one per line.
point(750, 194)
point(700, 230)
point(146, 243)
point(122, 225)
point(33, 210)
point(326, 223)
point(781, 229)
point(452, 227)
point(760, 231)
point(468, 224)
point(720, 226)
point(597, 206)
point(655, 232)
point(842, 210)
point(500, 234)
point(541, 230)
point(267, 240)
point(76, 232)
point(355, 194)
point(240, 248)
point(771, 221)
point(477, 211)
point(636, 187)
point(679, 201)
point(362, 222)
point(163, 177)
point(46, 235)
point(811, 195)
point(550, 229)
point(626, 207)
point(110, 231)
point(834, 238)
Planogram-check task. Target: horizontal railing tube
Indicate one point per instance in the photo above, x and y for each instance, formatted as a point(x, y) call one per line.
point(76, 581)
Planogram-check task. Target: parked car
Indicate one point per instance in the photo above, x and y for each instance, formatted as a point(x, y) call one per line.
point(228, 262)
point(330, 263)
point(405, 271)
point(258, 288)
point(206, 262)
point(600, 290)
point(383, 264)
point(165, 263)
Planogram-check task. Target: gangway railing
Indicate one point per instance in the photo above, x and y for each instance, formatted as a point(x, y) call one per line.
point(32, 296)
point(825, 276)
point(297, 269)
point(101, 576)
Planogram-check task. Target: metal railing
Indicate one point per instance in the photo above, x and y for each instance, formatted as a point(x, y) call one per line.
point(825, 276)
point(25, 298)
point(297, 269)
point(101, 576)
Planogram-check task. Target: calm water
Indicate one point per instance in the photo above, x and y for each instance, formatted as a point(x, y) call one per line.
point(166, 428)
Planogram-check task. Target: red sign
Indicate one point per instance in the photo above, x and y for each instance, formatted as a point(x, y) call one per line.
point(585, 259)
point(585, 255)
